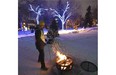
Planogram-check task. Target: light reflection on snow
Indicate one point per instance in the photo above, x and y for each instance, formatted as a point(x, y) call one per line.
point(28, 33)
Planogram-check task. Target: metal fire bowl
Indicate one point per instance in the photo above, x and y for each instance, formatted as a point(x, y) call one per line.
point(68, 64)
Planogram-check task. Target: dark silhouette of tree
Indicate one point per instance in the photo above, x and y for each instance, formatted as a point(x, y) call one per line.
point(88, 18)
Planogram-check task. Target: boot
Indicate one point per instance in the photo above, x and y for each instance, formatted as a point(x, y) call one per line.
point(44, 68)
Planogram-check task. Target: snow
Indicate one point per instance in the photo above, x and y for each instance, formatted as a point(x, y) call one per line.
point(82, 46)
point(28, 33)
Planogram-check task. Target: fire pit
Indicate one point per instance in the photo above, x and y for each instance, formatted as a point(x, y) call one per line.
point(63, 62)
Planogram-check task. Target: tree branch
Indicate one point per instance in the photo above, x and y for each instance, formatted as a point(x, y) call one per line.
point(68, 17)
point(55, 13)
point(67, 7)
point(37, 7)
point(31, 8)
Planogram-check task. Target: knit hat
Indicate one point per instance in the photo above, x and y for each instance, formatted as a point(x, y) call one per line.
point(41, 23)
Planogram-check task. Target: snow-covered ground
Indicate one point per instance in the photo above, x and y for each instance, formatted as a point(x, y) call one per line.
point(28, 33)
point(82, 46)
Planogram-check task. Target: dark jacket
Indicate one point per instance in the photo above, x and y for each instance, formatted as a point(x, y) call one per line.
point(38, 41)
point(54, 25)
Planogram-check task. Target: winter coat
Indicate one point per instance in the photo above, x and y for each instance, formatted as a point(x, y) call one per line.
point(38, 41)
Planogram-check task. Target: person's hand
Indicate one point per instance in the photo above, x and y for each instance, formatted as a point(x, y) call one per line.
point(45, 40)
point(45, 43)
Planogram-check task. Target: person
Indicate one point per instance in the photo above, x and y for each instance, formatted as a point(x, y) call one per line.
point(54, 27)
point(50, 36)
point(40, 43)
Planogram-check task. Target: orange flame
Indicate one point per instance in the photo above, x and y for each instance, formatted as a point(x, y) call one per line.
point(61, 56)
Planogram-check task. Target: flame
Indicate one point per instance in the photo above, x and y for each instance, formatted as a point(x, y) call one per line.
point(63, 68)
point(61, 56)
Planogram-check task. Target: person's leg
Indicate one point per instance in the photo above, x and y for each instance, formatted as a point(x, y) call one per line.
point(38, 48)
point(41, 58)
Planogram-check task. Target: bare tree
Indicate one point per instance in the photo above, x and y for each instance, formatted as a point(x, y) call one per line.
point(37, 11)
point(62, 17)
